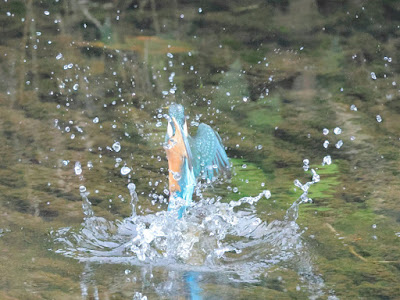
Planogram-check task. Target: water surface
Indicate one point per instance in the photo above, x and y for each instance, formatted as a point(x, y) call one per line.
point(304, 95)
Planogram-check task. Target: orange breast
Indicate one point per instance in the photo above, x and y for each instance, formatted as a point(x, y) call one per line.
point(176, 153)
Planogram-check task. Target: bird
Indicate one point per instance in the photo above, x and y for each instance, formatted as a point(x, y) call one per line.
point(190, 158)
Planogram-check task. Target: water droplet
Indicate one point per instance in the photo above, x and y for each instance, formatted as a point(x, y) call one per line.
point(373, 76)
point(125, 170)
point(327, 160)
point(326, 144)
point(131, 187)
point(337, 130)
point(78, 168)
point(339, 144)
point(75, 87)
point(353, 107)
point(379, 118)
point(200, 10)
point(46, 12)
point(325, 131)
point(373, 226)
point(96, 120)
point(244, 166)
point(82, 189)
point(315, 177)
point(306, 163)
point(177, 176)
point(116, 146)
point(235, 189)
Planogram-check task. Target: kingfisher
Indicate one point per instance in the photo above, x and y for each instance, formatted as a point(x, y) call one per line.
point(190, 158)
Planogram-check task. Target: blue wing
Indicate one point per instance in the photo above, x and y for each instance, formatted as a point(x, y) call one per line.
point(208, 154)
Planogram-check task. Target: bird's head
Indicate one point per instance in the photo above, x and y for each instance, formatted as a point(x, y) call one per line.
point(177, 112)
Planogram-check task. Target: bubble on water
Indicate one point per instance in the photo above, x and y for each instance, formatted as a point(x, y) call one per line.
point(65, 162)
point(46, 12)
point(353, 107)
point(125, 170)
point(96, 120)
point(373, 75)
point(116, 146)
point(75, 87)
point(200, 10)
point(244, 166)
point(82, 189)
point(170, 55)
point(374, 226)
point(337, 130)
point(379, 118)
point(325, 131)
point(78, 168)
point(327, 160)
point(339, 144)
point(90, 165)
point(59, 56)
point(159, 123)
point(235, 189)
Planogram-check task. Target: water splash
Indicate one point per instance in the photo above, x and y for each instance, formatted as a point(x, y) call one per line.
point(213, 236)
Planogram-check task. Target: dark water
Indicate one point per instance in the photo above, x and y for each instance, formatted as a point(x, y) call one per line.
point(290, 86)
